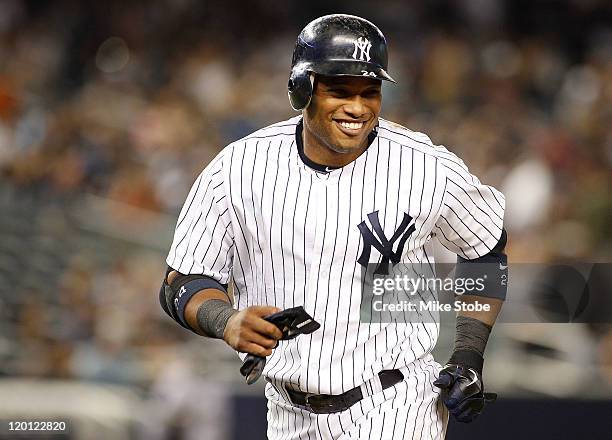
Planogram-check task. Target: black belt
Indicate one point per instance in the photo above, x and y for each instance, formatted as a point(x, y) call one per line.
point(327, 404)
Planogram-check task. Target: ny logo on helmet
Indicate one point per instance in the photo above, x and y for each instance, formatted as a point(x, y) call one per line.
point(385, 245)
point(362, 46)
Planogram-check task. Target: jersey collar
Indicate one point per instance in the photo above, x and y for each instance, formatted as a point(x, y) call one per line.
point(319, 168)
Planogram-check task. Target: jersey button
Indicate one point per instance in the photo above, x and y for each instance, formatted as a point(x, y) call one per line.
point(324, 273)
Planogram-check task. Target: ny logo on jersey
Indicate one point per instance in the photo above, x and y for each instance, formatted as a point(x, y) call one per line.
point(385, 245)
point(362, 46)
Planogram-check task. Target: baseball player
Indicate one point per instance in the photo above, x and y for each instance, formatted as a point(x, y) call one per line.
point(292, 214)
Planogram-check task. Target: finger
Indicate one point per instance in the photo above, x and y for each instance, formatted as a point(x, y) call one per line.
point(256, 349)
point(263, 311)
point(454, 397)
point(444, 381)
point(467, 414)
point(266, 328)
point(259, 339)
point(459, 392)
point(451, 404)
point(490, 397)
point(468, 409)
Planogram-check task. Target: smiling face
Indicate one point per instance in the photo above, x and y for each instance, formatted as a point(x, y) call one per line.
point(342, 113)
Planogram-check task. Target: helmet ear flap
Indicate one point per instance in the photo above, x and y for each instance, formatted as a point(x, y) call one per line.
point(299, 88)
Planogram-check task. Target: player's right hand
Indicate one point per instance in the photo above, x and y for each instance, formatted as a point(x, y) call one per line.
point(248, 332)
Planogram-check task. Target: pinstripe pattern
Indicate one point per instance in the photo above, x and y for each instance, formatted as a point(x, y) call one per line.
point(287, 235)
point(409, 410)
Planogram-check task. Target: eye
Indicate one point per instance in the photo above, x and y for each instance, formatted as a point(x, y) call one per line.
point(372, 93)
point(338, 93)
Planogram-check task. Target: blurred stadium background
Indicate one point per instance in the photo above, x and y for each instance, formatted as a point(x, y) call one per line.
point(108, 111)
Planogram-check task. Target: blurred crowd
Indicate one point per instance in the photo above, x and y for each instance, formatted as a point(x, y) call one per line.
point(128, 101)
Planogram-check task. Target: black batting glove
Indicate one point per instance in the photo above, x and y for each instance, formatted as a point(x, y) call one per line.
point(292, 322)
point(462, 388)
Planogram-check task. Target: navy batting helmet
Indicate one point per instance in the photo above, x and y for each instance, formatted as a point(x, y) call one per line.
point(336, 45)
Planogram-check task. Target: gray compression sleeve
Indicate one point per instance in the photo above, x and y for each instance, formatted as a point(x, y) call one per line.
point(472, 334)
point(470, 342)
point(213, 315)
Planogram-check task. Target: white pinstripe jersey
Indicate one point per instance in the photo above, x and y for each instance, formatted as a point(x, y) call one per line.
point(287, 235)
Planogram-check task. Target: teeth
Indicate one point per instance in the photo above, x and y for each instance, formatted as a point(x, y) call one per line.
point(351, 125)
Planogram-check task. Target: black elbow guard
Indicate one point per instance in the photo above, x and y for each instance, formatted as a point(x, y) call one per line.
point(166, 298)
point(163, 300)
point(489, 272)
point(501, 244)
point(174, 297)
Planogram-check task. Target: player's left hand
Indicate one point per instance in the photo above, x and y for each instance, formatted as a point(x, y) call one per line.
point(463, 392)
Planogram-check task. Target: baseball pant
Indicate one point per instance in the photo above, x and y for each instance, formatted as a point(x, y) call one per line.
point(408, 410)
